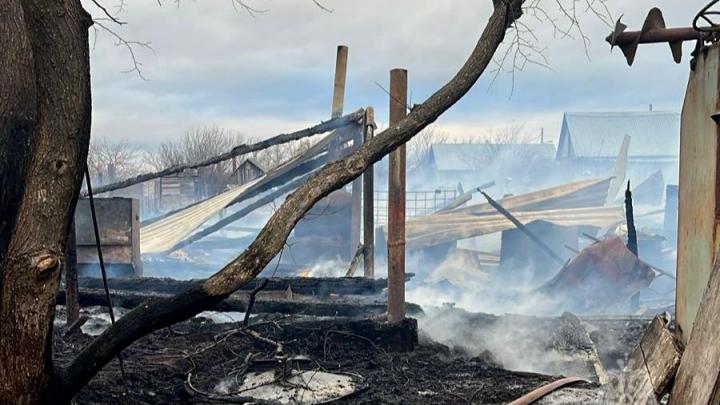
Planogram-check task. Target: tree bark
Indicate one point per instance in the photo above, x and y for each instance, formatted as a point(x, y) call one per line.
point(159, 313)
point(45, 128)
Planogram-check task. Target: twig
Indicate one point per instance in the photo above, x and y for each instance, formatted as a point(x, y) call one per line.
point(107, 13)
point(128, 45)
point(251, 301)
point(263, 339)
point(317, 3)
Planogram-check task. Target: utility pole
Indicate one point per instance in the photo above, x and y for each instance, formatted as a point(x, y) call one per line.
point(396, 202)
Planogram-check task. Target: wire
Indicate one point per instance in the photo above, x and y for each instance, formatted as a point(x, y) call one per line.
point(102, 268)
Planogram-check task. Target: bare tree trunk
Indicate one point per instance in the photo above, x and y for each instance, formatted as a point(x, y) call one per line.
point(45, 129)
point(159, 313)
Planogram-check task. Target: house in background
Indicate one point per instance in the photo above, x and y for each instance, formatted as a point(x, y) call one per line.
point(514, 167)
point(590, 142)
point(248, 170)
point(178, 190)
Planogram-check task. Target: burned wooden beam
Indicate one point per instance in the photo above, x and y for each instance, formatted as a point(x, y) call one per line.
point(520, 226)
point(396, 202)
point(334, 123)
point(239, 302)
point(369, 201)
point(299, 285)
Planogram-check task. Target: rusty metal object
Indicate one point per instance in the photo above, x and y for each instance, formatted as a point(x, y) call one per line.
point(604, 273)
point(396, 203)
point(653, 31)
point(540, 392)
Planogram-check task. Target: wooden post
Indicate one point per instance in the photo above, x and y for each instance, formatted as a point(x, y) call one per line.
point(338, 99)
point(369, 201)
point(356, 198)
point(72, 296)
point(340, 75)
point(396, 202)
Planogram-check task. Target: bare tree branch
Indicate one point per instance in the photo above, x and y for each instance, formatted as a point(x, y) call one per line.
point(107, 13)
point(129, 45)
point(526, 49)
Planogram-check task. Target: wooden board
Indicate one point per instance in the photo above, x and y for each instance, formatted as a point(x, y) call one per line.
point(657, 355)
point(697, 241)
point(698, 378)
point(462, 226)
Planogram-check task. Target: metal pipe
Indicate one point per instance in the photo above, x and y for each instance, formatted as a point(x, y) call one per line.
point(369, 201)
point(396, 202)
point(654, 36)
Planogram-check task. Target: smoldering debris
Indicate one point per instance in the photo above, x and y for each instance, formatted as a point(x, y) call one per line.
point(600, 276)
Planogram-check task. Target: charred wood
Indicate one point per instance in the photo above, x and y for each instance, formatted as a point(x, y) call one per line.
point(300, 285)
point(239, 302)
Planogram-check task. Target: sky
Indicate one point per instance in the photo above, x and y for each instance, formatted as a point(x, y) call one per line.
point(272, 71)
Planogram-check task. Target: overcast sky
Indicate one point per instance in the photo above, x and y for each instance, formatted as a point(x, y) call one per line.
point(272, 72)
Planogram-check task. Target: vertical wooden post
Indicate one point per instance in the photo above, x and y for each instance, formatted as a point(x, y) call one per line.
point(369, 200)
point(357, 187)
point(396, 202)
point(340, 75)
point(72, 296)
point(338, 99)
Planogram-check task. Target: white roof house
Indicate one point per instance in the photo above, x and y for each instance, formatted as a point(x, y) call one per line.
point(654, 135)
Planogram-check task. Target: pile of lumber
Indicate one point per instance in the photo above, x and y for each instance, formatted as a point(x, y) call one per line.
point(573, 204)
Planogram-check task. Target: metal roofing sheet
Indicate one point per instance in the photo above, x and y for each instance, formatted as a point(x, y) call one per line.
point(471, 156)
point(653, 133)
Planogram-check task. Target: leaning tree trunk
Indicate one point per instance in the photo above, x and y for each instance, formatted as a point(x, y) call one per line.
point(44, 136)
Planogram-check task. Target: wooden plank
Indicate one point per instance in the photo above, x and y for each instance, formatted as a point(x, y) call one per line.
point(697, 242)
point(657, 355)
point(698, 378)
point(457, 227)
point(579, 194)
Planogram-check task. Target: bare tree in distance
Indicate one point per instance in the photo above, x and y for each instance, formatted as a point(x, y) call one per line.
point(201, 143)
point(123, 157)
point(276, 155)
point(198, 144)
point(418, 149)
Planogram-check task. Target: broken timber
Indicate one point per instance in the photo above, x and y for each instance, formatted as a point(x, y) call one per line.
point(698, 377)
point(299, 285)
point(162, 235)
point(239, 302)
point(519, 225)
point(336, 122)
point(657, 357)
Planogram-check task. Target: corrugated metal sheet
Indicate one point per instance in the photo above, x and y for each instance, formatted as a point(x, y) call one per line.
point(472, 156)
point(653, 133)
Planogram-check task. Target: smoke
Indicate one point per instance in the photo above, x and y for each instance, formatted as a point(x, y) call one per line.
point(559, 345)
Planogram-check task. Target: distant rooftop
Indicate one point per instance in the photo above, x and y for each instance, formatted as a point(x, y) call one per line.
point(653, 134)
point(469, 156)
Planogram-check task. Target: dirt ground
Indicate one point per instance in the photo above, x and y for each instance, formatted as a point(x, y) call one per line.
point(157, 366)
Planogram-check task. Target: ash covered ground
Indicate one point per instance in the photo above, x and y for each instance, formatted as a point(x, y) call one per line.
point(459, 371)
